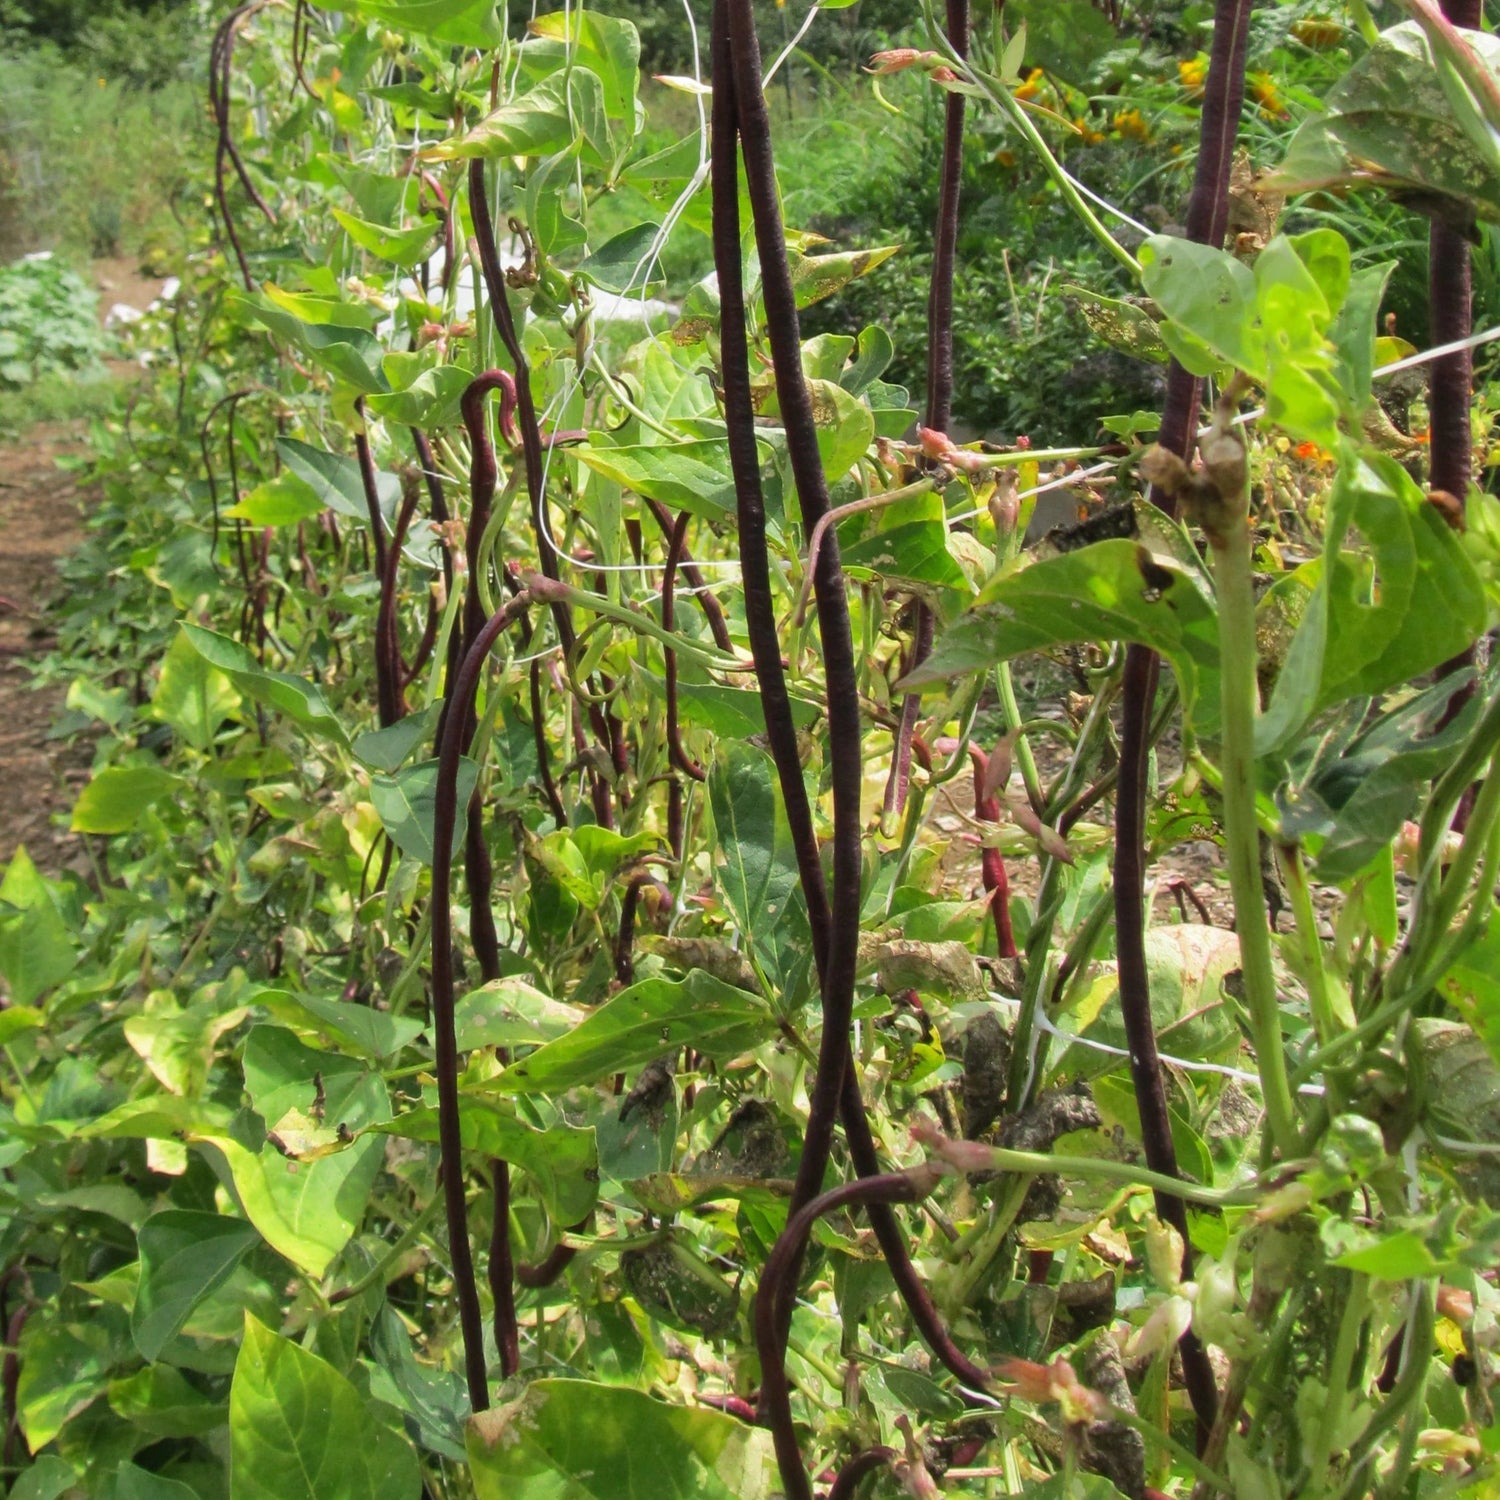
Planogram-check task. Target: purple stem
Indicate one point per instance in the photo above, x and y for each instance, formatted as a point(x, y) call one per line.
point(845, 731)
point(781, 1268)
point(445, 1044)
point(760, 618)
point(1449, 288)
point(1207, 218)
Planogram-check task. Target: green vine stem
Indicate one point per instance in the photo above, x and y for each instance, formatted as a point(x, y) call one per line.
point(1351, 1323)
point(1219, 500)
point(975, 1156)
point(1005, 102)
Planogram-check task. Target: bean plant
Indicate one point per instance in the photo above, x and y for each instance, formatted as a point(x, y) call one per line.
point(625, 947)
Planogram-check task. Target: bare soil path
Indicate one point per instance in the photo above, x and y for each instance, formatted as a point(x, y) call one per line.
point(42, 509)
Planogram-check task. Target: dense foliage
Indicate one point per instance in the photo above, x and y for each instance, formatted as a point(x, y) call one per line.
point(48, 321)
point(626, 943)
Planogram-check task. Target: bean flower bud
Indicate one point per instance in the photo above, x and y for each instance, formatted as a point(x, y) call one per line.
point(899, 59)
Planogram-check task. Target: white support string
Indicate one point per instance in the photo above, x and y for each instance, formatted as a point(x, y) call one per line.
point(1106, 205)
point(791, 46)
point(1239, 1075)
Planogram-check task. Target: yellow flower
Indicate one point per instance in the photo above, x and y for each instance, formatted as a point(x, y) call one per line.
point(1087, 133)
point(1262, 89)
point(1031, 86)
point(1192, 72)
point(1131, 124)
point(1318, 33)
point(1005, 158)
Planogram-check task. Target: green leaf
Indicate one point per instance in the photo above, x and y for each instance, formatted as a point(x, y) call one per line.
point(467, 23)
point(815, 277)
point(434, 1398)
point(185, 1256)
point(1390, 123)
point(534, 124)
point(692, 476)
point(360, 1029)
point(161, 1401)
point(873, 354)
point(192, 696)
point(407, 805)
point(1110, 591)
point(1473, 986)
point(908, 543)
point(624, 263)
point(131, 1482)
point(755, 863)
point(1120, 324)
point(177, 1043)
point(845, 427)
point(641, 1023)
point(16, 1019)
point(46, 1479)
point(310, 308)
point(301, 701)
point(63, 1369)
point(1358, 794)
point(282, 1074)
point(1402, 1256)
point(1208, 292)
point(402, 247)
point(300, 1431)
point(336, 480)
point(564, 1438)
point(282, 501)
point(607, 46)
point(511, 1013)
point(424, 394)
point(306, 1209)
point(1388, 634)
point(562, 1161)
point(350, 354)
point(119, 797)
point(37, 946)
point(387, 749)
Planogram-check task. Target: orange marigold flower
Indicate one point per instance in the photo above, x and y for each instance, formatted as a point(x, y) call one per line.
point(1311, 453)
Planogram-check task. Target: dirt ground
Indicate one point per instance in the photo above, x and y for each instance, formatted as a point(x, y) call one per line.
point(41, 520)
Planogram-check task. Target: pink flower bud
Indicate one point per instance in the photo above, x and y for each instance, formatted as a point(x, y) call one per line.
point(934, 444)
point(997, 767)
point(1051, 841)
